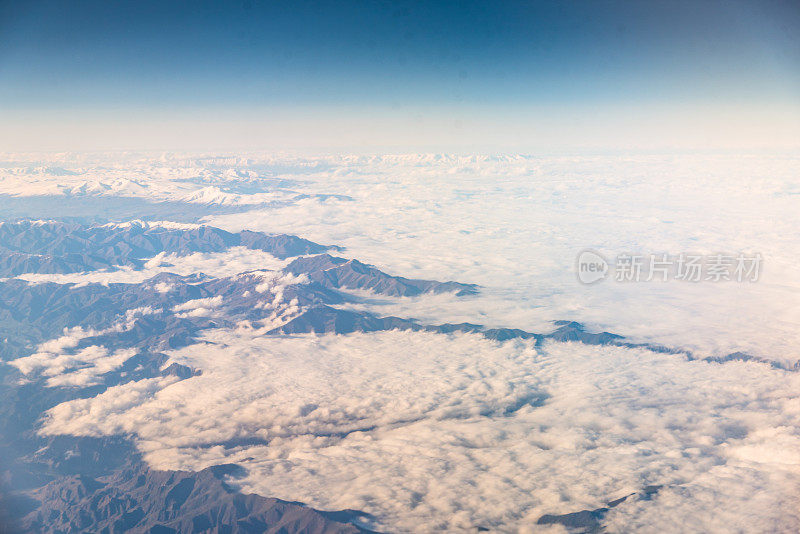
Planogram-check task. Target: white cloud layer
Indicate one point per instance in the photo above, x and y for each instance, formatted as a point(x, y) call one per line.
point(58, 360)
point(431, 432)
point(435, 432)
point(513, 224)
point(516, 224)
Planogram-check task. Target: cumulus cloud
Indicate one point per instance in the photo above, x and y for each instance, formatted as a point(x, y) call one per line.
point(70, 338)
point(58, 359)
point(453, 432)
point(198, 307)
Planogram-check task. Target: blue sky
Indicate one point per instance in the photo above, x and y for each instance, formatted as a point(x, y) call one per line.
point(234, 65)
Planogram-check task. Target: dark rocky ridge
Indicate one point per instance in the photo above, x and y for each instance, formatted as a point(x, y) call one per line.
point(85, 209)
point(590, 521)
point(136, 499)
point(58, 247)
point(333, 272)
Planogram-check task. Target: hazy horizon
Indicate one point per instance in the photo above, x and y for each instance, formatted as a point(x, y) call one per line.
point(517, 76)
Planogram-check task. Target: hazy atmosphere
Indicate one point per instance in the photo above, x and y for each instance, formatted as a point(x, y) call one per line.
point(354, 76)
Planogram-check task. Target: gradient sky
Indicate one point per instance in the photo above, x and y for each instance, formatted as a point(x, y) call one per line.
point(361, 75)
